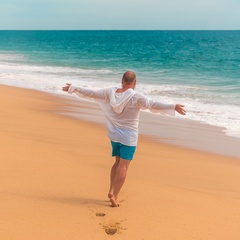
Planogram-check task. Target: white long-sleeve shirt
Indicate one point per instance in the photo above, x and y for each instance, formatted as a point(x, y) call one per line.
point(122, 110)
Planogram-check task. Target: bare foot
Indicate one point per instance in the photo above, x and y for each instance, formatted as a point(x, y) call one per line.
point(114, 202)
point(110, 195)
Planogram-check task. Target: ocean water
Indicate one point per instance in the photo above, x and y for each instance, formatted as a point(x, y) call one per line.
point(200, 69)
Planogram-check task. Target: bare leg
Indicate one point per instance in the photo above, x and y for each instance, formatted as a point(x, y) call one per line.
point(118, 176)
point(112, 176)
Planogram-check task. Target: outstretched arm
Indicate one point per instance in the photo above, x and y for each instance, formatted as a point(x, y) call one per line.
point(95, 95)
point(180, 109)
point(158, 107)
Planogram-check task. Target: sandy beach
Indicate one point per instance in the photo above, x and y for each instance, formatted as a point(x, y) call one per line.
point(54, 180)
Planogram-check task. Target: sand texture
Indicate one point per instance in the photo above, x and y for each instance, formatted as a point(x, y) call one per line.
point(54, 180)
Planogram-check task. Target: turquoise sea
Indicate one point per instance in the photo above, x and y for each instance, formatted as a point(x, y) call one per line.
point(200, 69)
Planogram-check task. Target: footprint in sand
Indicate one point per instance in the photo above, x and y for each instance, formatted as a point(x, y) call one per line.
point(100, 214)
point(111, 231)
point(113, 228)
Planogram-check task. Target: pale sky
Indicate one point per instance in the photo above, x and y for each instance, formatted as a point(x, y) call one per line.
point(120, 14)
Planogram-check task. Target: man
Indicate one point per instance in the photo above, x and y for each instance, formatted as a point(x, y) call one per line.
point(121, 107)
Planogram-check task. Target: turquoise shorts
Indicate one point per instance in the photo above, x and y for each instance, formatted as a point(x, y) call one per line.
point(123, 151)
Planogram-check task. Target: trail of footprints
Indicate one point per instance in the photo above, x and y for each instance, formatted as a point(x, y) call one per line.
point(112, 227)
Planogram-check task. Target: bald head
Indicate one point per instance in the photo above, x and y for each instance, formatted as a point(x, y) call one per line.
point(129, 78)
point(128, 81)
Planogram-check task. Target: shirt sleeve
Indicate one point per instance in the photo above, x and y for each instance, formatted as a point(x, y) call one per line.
point(97, 95)
point(154, 106)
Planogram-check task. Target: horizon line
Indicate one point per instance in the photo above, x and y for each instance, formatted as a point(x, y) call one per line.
point(119, 29)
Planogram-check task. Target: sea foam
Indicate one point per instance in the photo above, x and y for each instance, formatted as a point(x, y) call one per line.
point(203, 103)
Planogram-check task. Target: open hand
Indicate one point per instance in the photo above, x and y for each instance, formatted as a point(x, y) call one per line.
point(65, 89)
point(180, 109)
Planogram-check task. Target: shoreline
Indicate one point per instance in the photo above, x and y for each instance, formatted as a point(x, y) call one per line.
point(55, 179)
point(175, 131)
point(181, 132)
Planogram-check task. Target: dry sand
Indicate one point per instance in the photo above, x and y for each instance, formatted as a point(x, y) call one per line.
point(54, 181)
